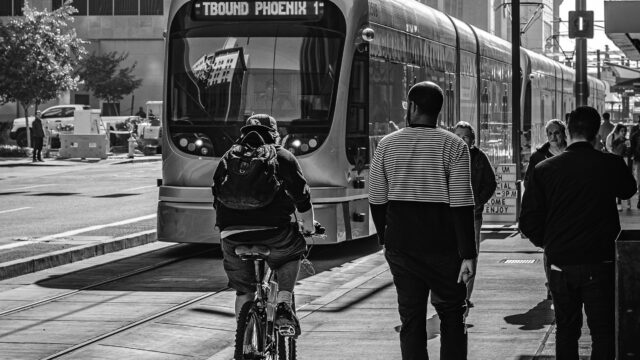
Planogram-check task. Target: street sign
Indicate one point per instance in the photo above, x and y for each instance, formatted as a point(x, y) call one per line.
point(581, 24)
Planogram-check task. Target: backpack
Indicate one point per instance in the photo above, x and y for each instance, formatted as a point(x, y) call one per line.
point(246, 177)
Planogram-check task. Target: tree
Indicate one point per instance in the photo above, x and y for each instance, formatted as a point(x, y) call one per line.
point(101, 75)
point(38, 56)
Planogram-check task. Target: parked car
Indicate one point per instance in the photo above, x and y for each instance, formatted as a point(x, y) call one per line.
point(59, 118)
point(55, 117)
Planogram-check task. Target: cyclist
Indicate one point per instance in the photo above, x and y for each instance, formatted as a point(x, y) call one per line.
point(271, 226)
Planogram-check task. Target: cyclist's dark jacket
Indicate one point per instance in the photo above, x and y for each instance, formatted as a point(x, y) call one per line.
point(293, 194)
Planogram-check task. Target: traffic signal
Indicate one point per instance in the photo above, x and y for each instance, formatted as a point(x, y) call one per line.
point(581, 24)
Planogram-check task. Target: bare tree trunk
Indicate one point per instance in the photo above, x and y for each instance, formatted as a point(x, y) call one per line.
point(26, 120)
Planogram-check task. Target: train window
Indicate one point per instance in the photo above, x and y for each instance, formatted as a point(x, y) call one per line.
point(217, 81)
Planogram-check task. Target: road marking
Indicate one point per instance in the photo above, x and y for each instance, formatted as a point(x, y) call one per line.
point(141, 187)
point(30, 187)
point(12, 210)
point(75, 232)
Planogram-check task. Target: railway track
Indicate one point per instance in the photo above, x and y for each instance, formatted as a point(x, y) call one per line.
point(185, 254)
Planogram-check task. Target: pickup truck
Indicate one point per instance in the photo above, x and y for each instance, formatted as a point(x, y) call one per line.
point(57, 117)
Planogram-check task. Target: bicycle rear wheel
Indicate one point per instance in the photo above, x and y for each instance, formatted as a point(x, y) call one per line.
point(249, 334)
point(286, 348)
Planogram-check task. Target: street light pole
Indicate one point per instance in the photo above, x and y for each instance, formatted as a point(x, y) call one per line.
point(582, 86)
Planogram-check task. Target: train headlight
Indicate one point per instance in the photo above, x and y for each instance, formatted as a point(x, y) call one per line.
point(368, 34)
point(198, 142)
point(191, 147)
point(296, 143)
point(204, 151)
point(183, 142)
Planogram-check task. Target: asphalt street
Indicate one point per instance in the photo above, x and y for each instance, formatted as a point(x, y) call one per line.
point(69, 197)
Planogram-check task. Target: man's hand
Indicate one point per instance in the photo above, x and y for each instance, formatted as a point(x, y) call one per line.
point(307, 222)
point(466, 271)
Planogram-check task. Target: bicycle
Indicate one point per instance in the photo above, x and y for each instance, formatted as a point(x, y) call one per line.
point(257, 336)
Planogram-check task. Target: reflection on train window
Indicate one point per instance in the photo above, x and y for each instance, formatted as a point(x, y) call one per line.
point(218, 82)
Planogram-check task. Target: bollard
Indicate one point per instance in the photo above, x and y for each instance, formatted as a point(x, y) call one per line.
point(132, 146)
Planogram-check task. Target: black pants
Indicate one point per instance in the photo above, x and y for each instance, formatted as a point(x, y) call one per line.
point(415, 275)
point(37, 143)
point(594, 286)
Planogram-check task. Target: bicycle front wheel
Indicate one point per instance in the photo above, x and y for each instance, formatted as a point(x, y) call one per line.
point(249, 334)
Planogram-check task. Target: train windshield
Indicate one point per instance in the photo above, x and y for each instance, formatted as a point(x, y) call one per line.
point(220, 75)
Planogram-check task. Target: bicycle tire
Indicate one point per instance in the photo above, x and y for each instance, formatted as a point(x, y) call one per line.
point(249, 334)
point(287, 345)
point(286, 348)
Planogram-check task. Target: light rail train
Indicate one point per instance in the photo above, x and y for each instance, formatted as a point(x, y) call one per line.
point(335, 74)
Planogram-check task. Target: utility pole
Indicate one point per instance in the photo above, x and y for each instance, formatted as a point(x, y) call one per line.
point(582, 86)
point(515, 89)
point(598, 62)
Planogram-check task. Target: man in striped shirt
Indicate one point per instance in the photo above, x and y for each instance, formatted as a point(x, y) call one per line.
point(422, 206)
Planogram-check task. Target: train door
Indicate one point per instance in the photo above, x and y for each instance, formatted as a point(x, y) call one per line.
point(357, 131)
point(449, 106)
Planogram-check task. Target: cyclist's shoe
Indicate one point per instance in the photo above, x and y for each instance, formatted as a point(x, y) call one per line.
point(287, 322)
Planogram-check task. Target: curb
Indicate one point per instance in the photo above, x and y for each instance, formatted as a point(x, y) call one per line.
point(136, 160)
point(66, 256)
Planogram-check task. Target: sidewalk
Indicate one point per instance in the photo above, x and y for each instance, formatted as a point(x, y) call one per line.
point(511, 319)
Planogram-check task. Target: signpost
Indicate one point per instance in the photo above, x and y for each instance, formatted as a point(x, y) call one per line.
point(502, 207)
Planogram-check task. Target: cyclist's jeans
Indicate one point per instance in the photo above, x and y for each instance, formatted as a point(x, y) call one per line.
point(415, 275)
point(287, 247)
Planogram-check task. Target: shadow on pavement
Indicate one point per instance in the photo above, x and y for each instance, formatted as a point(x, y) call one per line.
point(433, 327)
point(545, 357)
point(368, 294)
point(534, 319)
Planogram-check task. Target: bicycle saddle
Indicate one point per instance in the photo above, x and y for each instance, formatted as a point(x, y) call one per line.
point(252, 251)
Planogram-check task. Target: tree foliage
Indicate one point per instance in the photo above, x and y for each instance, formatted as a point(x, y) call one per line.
point(38, 56)
point(108, 81)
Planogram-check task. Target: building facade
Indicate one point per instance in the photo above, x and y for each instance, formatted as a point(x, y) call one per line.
point(125, 26)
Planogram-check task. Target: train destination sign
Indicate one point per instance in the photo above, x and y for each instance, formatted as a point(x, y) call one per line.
point(257, 10)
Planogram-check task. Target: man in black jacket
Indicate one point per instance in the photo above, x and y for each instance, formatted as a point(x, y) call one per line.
point(567, 211)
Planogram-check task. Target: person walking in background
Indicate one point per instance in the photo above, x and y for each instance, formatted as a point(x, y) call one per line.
point(483, 183)
point(141, 114)
point(422, 207)
point(619, 145)
point(634, 142)
point(555, 145)
point(568, 212)
point(37, 138)
point(605, 129)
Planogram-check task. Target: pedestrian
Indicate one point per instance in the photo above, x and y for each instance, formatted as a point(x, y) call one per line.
point(619, 145)
point(556, 143)
point(37, 138)
point(422, 207)
point(605, 129)
point(634, 142)
point(556, 132)
point(269, 221)
point(567, 211)
point(483, 183)
point(141, 114)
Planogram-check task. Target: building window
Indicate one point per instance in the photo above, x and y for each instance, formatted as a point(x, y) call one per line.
point(17, 7)
point(125, 7)
point(100, 7)
point(80, 5)
point(6, 8)
point(151, 7)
